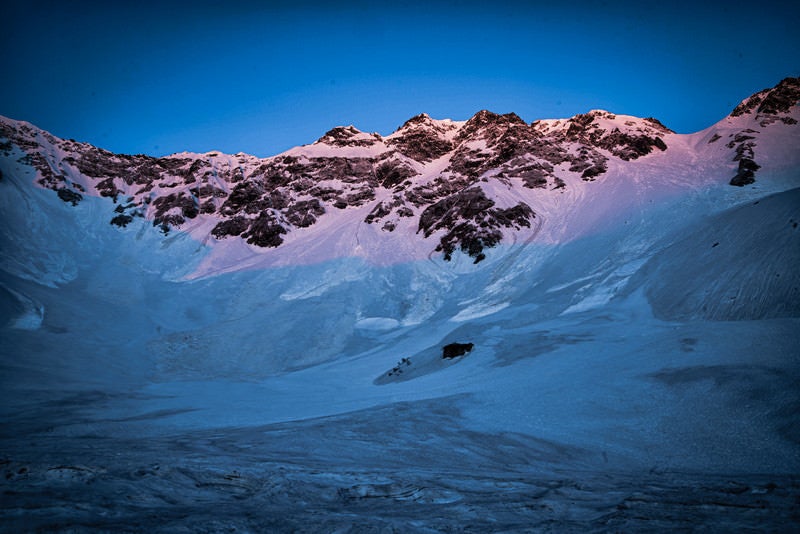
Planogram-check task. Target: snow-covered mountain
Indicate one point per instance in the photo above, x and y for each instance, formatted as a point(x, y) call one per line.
point(431, 186)
point(585, 323)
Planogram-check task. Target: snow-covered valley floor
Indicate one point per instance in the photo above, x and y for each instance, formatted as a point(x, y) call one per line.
point(643, 378)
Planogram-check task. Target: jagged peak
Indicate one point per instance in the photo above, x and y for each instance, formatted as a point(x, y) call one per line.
point(489, 124)
point(7, 120)
point(425, 121)
point(771, 101)
point(261, 200)
point(485, 117)
point(424, 139)
point(421, 119)
point(348, 136)
point(339, 133)
point(658, 124)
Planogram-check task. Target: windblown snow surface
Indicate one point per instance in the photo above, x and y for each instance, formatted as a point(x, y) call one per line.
point(635, 368)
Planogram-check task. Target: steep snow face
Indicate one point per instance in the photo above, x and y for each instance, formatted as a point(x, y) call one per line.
point(723, 271)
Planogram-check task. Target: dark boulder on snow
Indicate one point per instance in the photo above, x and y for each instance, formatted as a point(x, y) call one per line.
point(454, 350)
point(122, 220)
point(746, 173)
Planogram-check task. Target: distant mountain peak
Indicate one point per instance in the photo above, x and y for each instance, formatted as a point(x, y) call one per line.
point(485, 117)
point(416, 120)
point(489, 124)
point(348, 136)
point(423, 138)
point(426, 122)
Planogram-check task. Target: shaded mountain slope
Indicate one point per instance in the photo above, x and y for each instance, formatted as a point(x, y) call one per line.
point(741, 264)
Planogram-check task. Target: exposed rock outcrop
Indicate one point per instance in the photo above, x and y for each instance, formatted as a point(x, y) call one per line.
point(471, 222)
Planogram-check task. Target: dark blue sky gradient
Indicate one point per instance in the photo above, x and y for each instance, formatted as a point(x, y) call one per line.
point(261, 77)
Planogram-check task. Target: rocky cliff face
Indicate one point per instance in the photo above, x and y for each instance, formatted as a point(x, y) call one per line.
point(435, 173)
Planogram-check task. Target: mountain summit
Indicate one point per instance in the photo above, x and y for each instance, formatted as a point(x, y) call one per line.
point(453, 185)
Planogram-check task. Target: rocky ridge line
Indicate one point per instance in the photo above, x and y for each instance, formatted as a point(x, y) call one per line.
point(261, 200)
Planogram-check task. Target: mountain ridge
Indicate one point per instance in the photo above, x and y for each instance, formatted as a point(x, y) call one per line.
point(456, 185)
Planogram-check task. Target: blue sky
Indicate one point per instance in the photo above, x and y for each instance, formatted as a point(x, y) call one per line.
point(261, 77)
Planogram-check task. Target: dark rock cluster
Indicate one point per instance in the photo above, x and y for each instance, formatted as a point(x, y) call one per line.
point(744, 145)
point(404, 363)
point(471, 222)
point(769, 104)
point(421, 139)
point(454, 350)
point(342, 136)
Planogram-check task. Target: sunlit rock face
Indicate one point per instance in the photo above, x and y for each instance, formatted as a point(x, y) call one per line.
point(400, 180)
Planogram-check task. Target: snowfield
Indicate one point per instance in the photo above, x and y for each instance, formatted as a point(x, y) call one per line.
point(635, 365)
